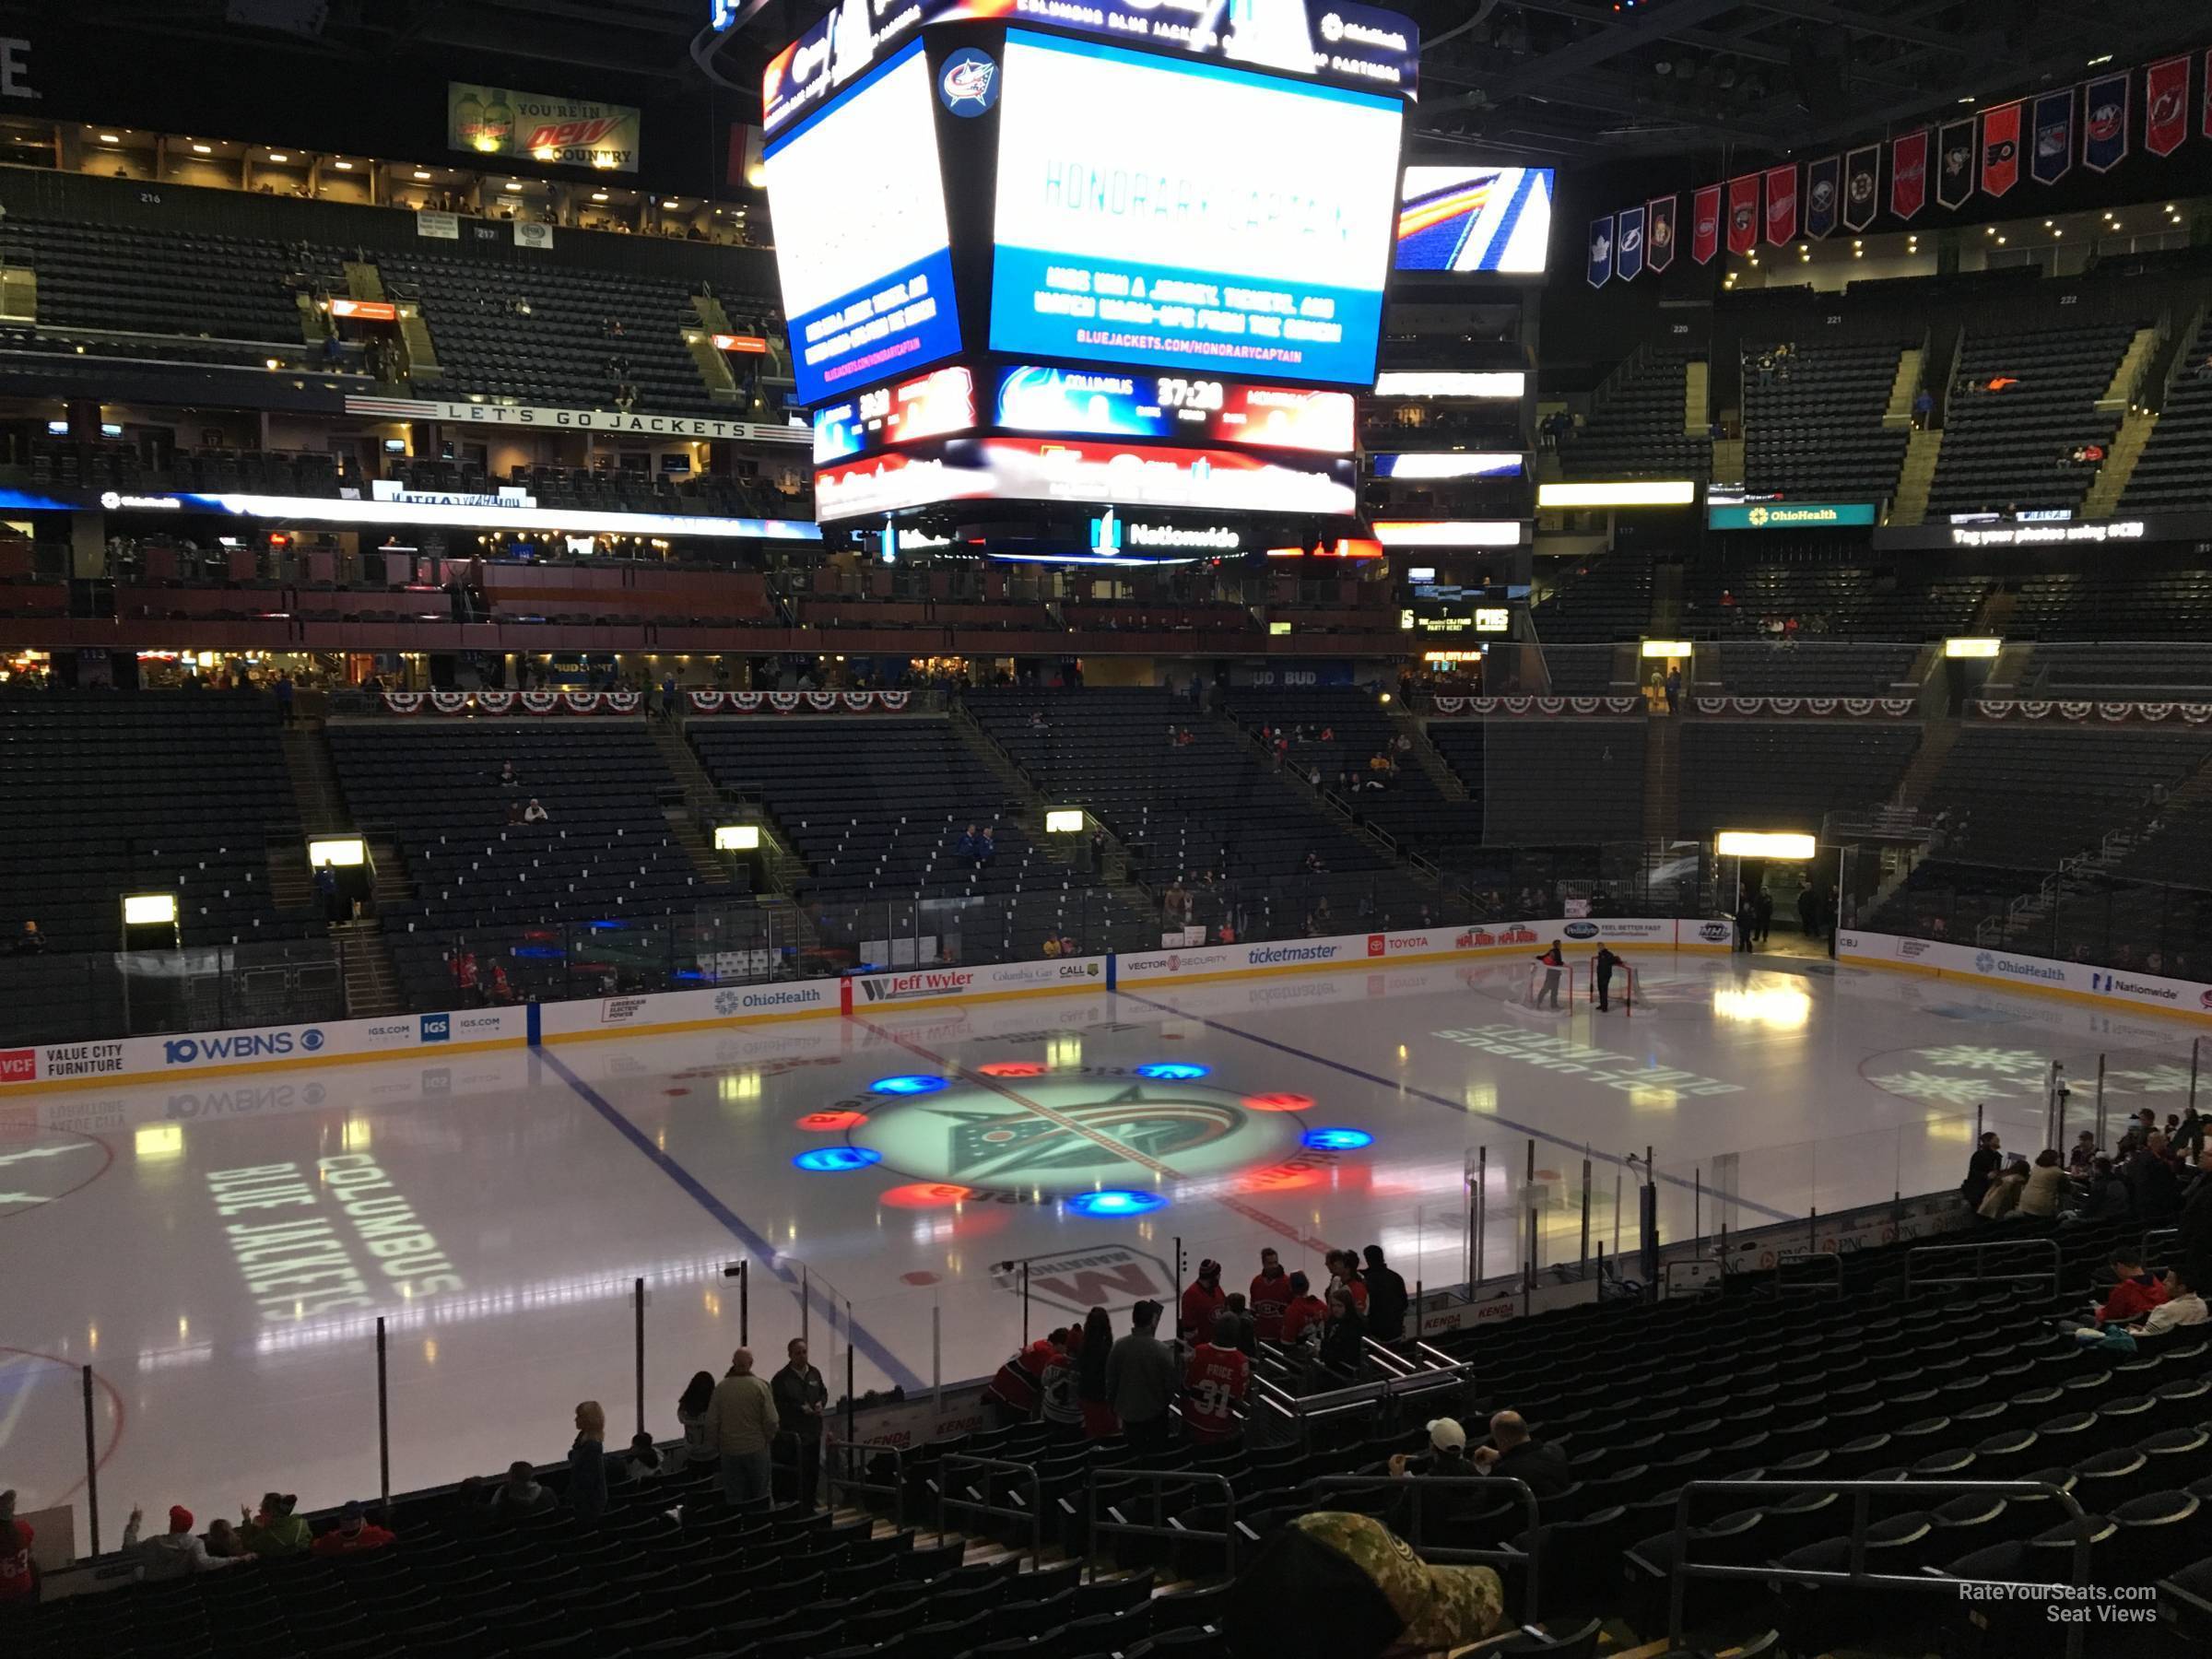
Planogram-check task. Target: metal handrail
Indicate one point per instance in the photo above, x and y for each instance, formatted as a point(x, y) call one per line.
point(1158, 1480)
point(1033, 1516)
point(1828, 1281)
point(849, 1482)
point(1861, 1492)
point(1504, 1556)
point(1977, 1249)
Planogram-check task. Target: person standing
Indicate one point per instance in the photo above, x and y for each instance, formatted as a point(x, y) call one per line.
point(1674, 688)
point(1202, 1302)
point(1091, 1357)
point(1553, 960)
point(1141, 1374)
point(18, 1579)
point(800, 1395)
point(2195, 1255)
point(1214, 1384)
point(694, 1416)
point(587, 1461)
point(177, 1553)
point(745, 1425)
point(1981, 1169)
point(1270, 1296)
point(1304, 1310)
point(1607, 962)
point(1385, 1297)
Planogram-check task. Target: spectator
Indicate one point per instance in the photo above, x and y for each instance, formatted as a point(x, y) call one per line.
point(30, 941)
point(2134, 1291)
point(284, 701)
point(985, 849)
point(2151, 1182)
point(514, 816)
point(1140, 1380)
point(177, 1553)
point(642, 1461)
point(1214, 1384)
point(2046, 1188)
point(1091, 1355)
point(1674, 688)
point(1016, 1389)
point(1233, 1308)
point(1344, 1337)
point(2182, 1306)
point(1385, 1297)
point(222, 1540)
point(1202, 1302)
point(745, 1424)
point(1060, 1400)
point(2083, 1158)
point(1980, 1169)
point(1446, 1452)
point(498, 988)
point(695, 1416)
point(2196, 1225)
point(534, 813)
point(1514, 1451)
point(353, 1535)
point(18, 1578)
point(801, 1398)
point(587, 1461)
point(1344, 1274)
point(521, 1494)
point(509, 777)
point(965, 847)
point(2108, 1198)
point(1345, 1585)
point(2139, 1129)
point(2004, 1195)
point(1271, 1296)
point(277, 1532)
point(1302, 1311)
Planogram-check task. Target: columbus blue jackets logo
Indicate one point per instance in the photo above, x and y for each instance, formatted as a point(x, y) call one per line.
point(968, 84)
point(2107, 120)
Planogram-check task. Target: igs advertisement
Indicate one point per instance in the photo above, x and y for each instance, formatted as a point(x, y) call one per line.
point(862, 245)
point(1189, 214)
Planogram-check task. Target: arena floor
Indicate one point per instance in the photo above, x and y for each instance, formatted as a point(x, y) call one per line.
point(220, 1255)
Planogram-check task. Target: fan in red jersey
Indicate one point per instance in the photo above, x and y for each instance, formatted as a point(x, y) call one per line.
point(1214, 1384)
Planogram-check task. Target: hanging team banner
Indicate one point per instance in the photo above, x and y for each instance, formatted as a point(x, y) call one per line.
point(1627, 245)
point(1705, 224)
point(2166, 106)
point(1909, 174)
point(1823, 191)
point(2001, 148)
point(1781, 204)
point(1955, 151)
point(2105, 122)
point(1600, 251)
point(2053, 137)
point(1861, 186)
point(1659, 233)
point(2208, 94)
point(1743, 214)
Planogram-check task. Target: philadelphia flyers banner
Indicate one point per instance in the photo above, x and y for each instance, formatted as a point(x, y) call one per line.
point(1862, 187)
point(2104, 113)
point(1909, 174)
point(2166, 106)
point(2001, 148)
point(1955, 150)
point(1781, 204)
point(1705, 224)
point(1659, 234)
point(1743, 214)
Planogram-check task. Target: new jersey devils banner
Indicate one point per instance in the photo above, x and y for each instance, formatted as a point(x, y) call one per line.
point(1781, 204)
point(1955, 151)
point(1909, 174)
point(2001, 148)
point(2054, 137)
point(1600, 251)
point(1861, 186)
point(1627, 245)
point(1823, 195)
point(1659, 233)
point(2166, 106)
point(1705, 224)
point(2104, 113)
point(1743, 214)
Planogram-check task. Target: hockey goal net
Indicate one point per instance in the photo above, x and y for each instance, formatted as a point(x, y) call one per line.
point(1577, 986)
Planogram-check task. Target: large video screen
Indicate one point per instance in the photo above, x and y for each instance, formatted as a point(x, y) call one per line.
point(1476, 219)
point(861, 246)
point(1184, 215)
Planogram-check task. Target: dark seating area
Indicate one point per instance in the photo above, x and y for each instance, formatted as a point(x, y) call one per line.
point(2116, 603)
point(2174, 472)
point(1763, 774)
point(112, 793)
point(1814, 669)
point(2118, 673)
point(563, 904)
point(1603, 597)
point(1582, 670)
point(1830, 592)
point(2021, 405)
point(1636, 426)
point(1812, 421)
point(1549, 783)
point(2027, 797)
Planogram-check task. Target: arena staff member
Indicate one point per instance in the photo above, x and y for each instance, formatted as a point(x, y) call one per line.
point(1553, 960)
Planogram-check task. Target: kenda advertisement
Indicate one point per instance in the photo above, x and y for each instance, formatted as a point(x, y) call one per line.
point(2149, 992)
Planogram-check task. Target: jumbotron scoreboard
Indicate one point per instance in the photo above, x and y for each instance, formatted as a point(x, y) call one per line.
point(1088, 279)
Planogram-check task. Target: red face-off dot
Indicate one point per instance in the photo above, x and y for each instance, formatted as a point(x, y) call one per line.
point(1279, 1102)
point(926, 1195)
point(831, 1123)
point(1014, 1068)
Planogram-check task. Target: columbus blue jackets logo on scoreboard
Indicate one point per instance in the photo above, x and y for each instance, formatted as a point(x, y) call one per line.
point(968, 84)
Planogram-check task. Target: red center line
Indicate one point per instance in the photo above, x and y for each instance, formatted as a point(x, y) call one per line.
point(1251, 1212)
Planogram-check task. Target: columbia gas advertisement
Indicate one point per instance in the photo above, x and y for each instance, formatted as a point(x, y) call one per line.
point(1189, 214)
point(862, 245)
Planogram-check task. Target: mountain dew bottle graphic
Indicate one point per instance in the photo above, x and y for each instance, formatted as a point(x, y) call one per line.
point(495, 134)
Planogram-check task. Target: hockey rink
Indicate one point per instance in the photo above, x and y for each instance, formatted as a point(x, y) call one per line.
point(220, 1255)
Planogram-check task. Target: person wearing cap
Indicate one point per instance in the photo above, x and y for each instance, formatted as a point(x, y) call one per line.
point(1202, 1302)
point(1347, 1586)
point(177, 1553)
point(1270, 1296)
point(1141, 1377)
point(353, 1535)
point(1514, 1451)
point(277, 1532)
point(1446, 1454)
point(1304, 1311)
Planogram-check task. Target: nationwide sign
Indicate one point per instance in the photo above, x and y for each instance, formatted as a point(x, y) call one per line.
point(578, 420)
point(1791, 515)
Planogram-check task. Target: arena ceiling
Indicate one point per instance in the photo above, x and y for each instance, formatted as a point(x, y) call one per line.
point(1562, 80)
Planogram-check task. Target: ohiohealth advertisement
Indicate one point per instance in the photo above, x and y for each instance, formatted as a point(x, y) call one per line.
point(1188, 215)
point(861, 246)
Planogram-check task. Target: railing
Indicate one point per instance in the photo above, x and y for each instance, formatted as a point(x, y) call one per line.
point(1459, 1486)
point(1158, 1480)
point(1856, 1577)
point(66, 998)
point(2088, 913)
point(855, 1456)
point(1977, 1252)
point(1032, 1517)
